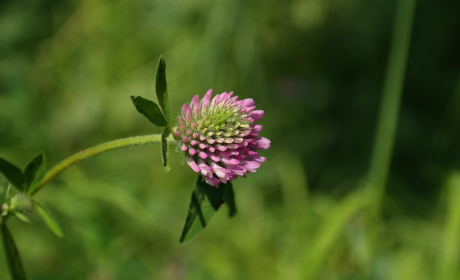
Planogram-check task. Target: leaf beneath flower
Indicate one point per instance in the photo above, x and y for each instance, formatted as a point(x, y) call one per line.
point(205, 202)
point(230, 199)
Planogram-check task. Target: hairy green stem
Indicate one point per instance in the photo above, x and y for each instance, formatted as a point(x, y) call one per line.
point(94, 151)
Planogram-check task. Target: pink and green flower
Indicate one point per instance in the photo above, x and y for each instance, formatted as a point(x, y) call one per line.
point(220, 137)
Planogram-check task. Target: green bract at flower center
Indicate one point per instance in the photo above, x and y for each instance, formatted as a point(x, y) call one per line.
point(222, 122)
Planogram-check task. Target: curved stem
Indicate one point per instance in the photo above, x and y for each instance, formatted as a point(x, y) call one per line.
point(94, 151)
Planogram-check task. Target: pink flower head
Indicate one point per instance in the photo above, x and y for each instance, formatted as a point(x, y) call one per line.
point(220, 138)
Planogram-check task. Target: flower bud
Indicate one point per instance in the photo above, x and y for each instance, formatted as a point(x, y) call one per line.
point(21, 203)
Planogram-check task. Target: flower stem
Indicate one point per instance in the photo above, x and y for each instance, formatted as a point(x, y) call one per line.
point(94, 151)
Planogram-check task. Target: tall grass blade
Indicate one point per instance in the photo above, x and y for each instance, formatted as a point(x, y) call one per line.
point(448, 262)
point(390, 106)
point(326, 236)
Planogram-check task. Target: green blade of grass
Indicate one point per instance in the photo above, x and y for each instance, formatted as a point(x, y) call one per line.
point(388, 116)
point(392, 92)
point(448, 261)
point(326, 236)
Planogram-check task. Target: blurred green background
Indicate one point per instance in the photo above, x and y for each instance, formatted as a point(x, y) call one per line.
point(317, 68)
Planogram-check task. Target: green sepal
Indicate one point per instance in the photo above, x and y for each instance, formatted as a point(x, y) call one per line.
point(150, 110)
point(205, 202)
point(12, 255)
point(161, 89)
point(47, 218)
point(165, 149)
point(13, 174)
point(229, 197)
point(35, 171)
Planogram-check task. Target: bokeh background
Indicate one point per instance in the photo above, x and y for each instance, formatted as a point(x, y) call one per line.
point(317, 68)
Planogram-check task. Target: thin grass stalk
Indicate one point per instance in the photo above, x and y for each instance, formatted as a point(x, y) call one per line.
point(390, 105)
point(389, 113)
point(450, 253)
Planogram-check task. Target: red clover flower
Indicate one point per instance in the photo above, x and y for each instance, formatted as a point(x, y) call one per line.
point(220, 137)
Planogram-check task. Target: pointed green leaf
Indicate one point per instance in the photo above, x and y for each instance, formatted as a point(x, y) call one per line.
point(205, 201)
point(35, 170)
point(47, 218)
point(13, 174)
point(150, 110)
point(164, 149)
point(22, 217)
point(12, 255)
point(161, 89)
point(230, 200)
